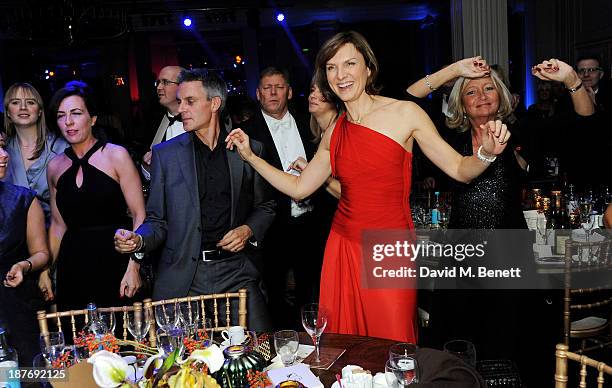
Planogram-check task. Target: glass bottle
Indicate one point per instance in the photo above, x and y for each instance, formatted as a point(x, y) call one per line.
point(8, 359)
point(435, 212)
point(94, 325)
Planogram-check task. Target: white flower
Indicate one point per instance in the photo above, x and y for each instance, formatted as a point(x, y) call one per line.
point(109, 369)
point(212, 356)
point(152, 363)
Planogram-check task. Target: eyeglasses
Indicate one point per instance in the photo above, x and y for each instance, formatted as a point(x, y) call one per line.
point(588, 70)
point(164, 82)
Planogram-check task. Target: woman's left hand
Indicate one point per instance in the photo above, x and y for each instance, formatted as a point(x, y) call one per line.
point(131, 283)
point(494, 137)
point(14, 277)
point(556, 70)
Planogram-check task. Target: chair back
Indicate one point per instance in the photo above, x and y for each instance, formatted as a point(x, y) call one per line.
point(217, 307)
point(587, 289)
point(562, 354)
point(77, 319)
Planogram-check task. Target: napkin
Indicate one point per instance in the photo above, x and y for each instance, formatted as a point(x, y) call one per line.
point(354, 376)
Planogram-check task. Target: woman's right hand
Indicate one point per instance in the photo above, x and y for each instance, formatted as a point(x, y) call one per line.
point(44, 284)
point(238, 138)
point(474, 67)
point(298, 165)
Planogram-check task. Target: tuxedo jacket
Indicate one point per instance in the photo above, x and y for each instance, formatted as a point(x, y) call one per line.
point(173, 219)
point(257, 129)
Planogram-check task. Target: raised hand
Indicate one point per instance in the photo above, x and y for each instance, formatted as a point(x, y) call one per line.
point(127, 241)
point(556, 70)
point(474, 67)
point(494, 137)
point(240, 140)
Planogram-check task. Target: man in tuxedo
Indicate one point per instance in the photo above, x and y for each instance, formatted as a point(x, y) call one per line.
point(207, 208)
point(592, 74)
point(170, 125)
point(291, 242)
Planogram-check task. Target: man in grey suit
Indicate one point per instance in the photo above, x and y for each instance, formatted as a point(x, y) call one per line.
point(207, 207)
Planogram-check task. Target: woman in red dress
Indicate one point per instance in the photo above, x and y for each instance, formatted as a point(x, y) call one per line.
point(370, 152)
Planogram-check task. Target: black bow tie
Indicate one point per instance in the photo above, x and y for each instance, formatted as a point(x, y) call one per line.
point(173, 119)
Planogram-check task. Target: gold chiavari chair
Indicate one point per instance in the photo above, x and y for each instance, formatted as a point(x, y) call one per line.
point(77, 319)
point(587, 301)
point(561, 371)
point(207, 303)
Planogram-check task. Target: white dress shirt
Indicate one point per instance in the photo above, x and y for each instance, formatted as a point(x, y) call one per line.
point(289, 147)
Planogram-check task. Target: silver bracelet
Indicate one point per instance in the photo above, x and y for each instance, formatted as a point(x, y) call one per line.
point(429, 85)
point(485, 159)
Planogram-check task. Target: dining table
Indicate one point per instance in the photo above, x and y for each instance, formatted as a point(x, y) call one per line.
point(437, 368)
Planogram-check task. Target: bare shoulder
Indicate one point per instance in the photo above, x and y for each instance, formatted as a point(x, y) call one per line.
point(57, 166)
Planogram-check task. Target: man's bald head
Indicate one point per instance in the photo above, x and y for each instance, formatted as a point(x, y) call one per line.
point(167, 83)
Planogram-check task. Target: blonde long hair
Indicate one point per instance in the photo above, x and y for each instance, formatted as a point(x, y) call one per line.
point(41, 126)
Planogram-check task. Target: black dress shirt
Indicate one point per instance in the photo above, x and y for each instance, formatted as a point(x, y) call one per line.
point(214, 190)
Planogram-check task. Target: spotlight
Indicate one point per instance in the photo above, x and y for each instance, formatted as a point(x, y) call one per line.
point(280, 17)
point(187, 22)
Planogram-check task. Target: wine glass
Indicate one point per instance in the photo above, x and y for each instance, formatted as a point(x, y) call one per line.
point(585, 209)
point(314, 320)
point(401, 374)
point(52, 345)
point(139, 323)
point(167, 315)
point(463, 349)
point(108, 317)
point(189, 313)
point(286, 343)
point(542, 226)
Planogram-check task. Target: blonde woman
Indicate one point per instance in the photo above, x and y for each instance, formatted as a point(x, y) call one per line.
point(29, 143)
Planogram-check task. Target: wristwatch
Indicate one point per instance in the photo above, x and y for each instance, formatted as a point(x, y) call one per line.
point(138, 256)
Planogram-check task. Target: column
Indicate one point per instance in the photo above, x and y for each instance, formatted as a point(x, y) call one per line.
point(480, 27)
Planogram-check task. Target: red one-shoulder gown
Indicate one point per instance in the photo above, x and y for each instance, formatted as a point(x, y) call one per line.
point(375, 174)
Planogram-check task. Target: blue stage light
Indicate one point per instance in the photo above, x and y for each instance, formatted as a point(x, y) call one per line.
point(187, 22)
point(280, 17)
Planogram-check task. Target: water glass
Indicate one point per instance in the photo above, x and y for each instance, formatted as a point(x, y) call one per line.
point(405, 349)
point(286, 343)
point(167, 315)
point(463, 349)
point(52, 345)
point(401, 374)
point(168, 341)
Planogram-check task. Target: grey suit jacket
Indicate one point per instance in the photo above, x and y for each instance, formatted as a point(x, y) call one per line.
point(173, 210)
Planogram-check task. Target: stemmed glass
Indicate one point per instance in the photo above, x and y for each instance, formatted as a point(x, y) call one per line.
point(167, 315)
point(52, 345)
point(139, 323)
point(585, 209)
point(108, 317)
point(543, 227)
point(189, 313)
point(314, 320)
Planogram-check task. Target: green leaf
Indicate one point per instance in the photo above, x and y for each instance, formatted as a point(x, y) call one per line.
point(168, 362)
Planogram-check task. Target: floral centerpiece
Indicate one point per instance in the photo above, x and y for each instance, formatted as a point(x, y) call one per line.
point(111, 370)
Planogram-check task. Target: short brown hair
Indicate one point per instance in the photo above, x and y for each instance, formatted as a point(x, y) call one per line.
point(331, 47)
point(271, 70)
